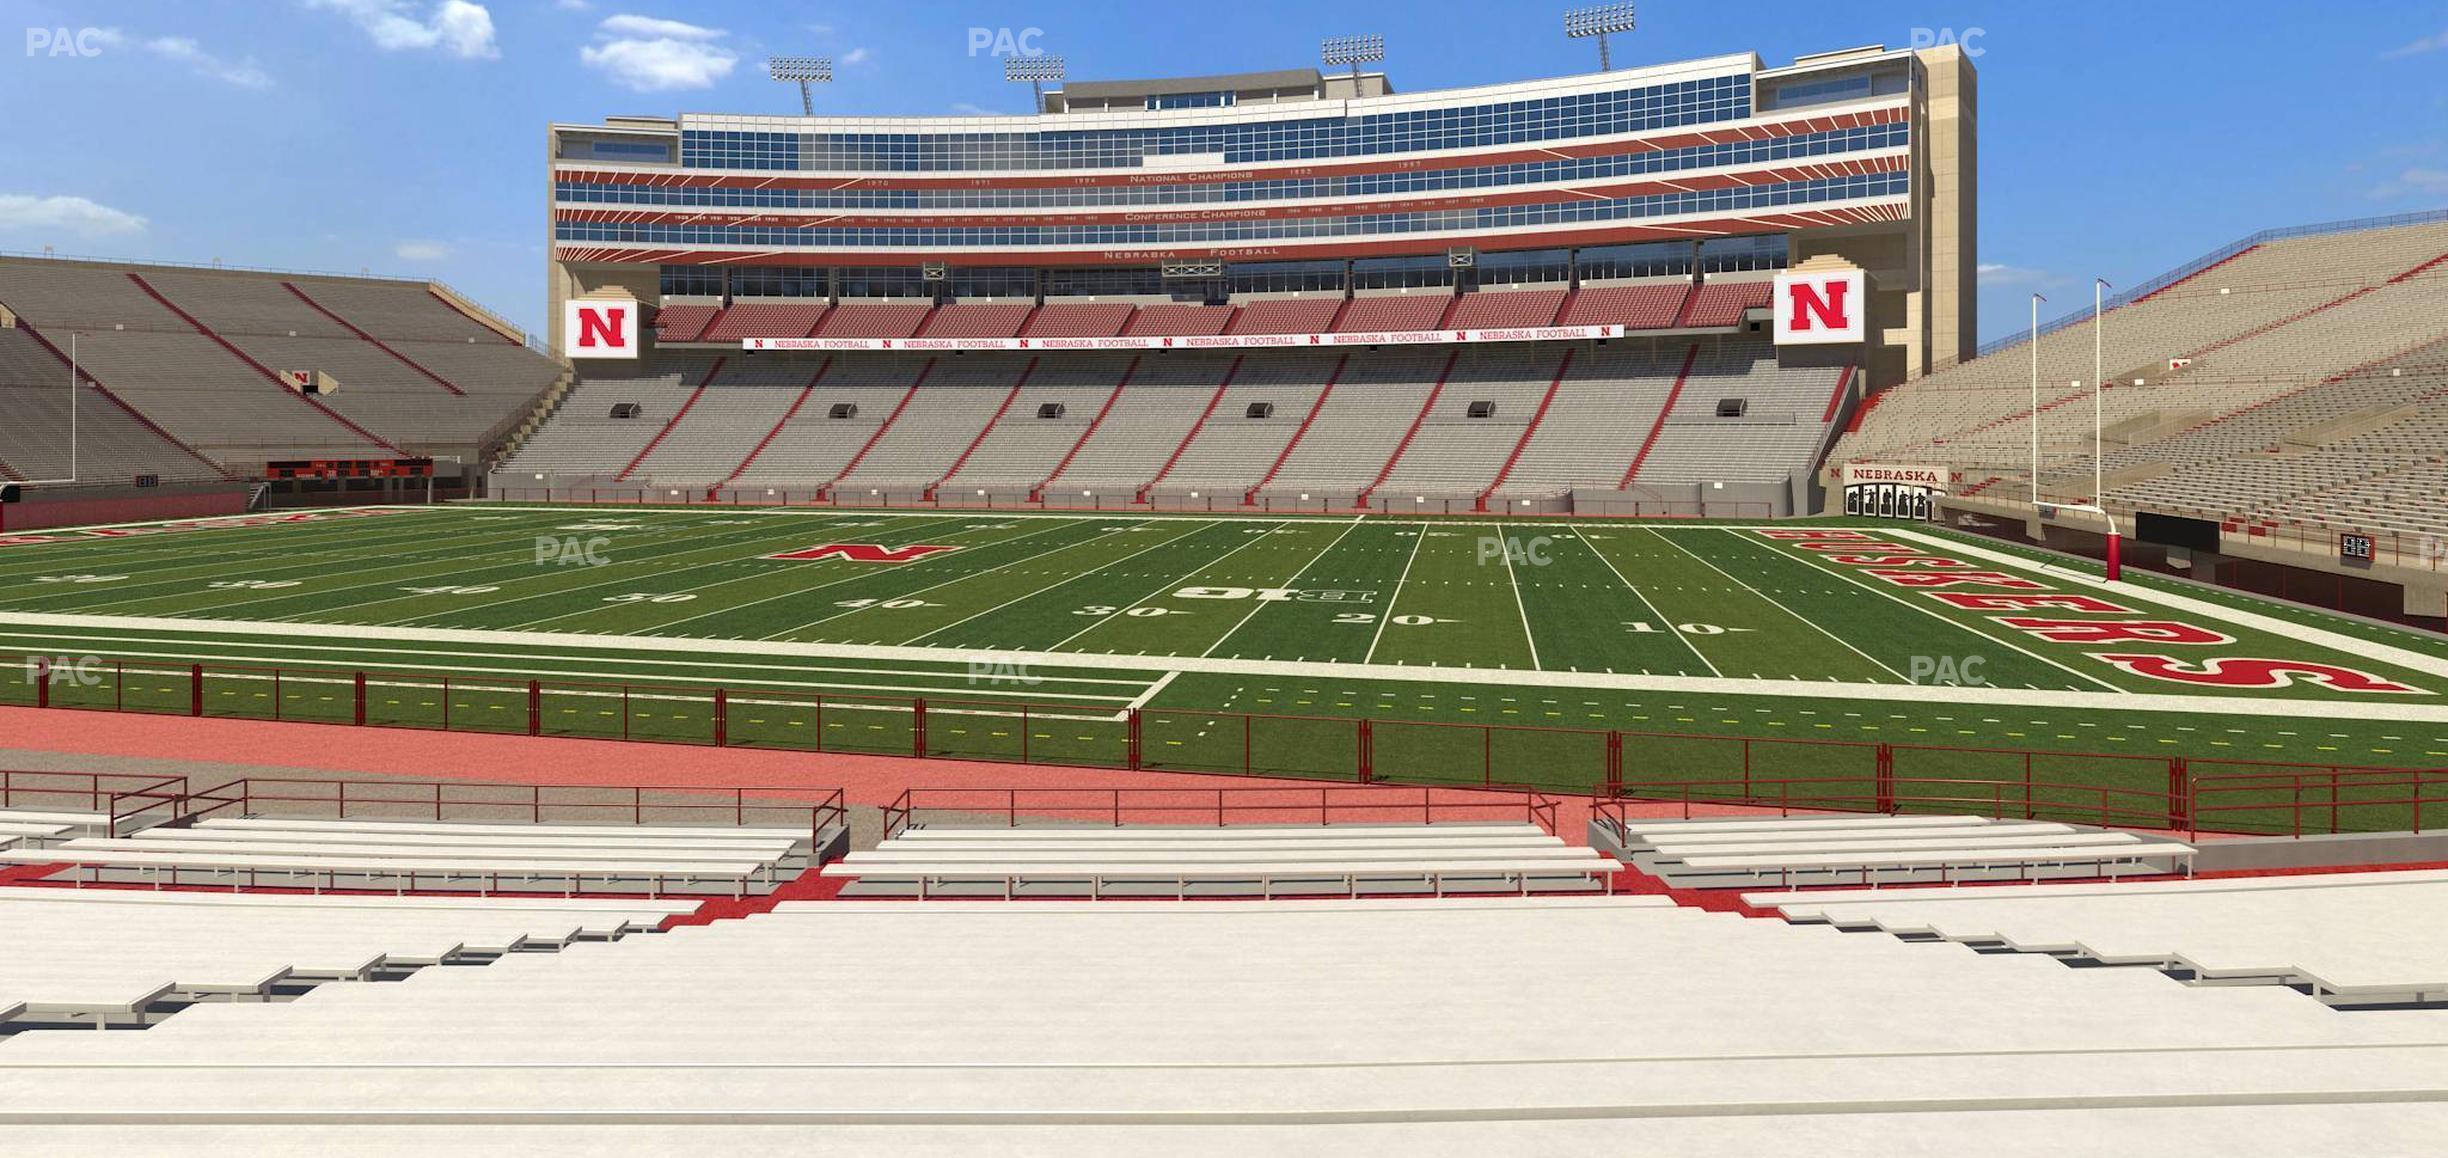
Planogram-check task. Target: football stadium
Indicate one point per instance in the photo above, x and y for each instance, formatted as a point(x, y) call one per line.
point(1237, 612)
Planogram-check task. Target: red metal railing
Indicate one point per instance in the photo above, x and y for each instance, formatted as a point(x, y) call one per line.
point(2109, 788)
point(116, 795)
point(1219, 807)
point(443, 800)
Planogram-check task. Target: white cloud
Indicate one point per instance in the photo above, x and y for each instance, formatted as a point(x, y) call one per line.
point(659, 28)
point(966, 109)
point(22, 213)
point(650, 54)
point(422, 250)
point(2416, 182)
point(572, 5)
point(856, 56)
point(457, 28)
point(243, 73)
point(1995, 274)
point(2417, 48)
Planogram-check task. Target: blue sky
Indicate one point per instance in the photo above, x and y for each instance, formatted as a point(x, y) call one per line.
point(407, 136)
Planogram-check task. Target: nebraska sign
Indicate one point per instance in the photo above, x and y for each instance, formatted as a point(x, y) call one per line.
point(1814, 309)
point(600, 329)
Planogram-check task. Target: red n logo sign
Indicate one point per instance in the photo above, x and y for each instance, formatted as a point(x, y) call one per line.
point(1821, 307)
point(599, 327)
point(864, 553)
point(1825, 302)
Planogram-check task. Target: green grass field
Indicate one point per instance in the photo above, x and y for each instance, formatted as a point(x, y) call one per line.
point(1429, 629)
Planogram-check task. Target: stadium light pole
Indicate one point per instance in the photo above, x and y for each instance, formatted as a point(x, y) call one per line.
point(2099, 391)
point(805, 70)
point(1583, 23)
point(2032, 417)
point(1354, 51)
point(1036, 70)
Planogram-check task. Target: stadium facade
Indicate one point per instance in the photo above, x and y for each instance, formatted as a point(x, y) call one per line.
point(1247, 187)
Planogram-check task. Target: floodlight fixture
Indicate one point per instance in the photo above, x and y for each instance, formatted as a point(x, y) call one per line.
point(804, 70)
point(1036, 70)
point(1354, 51)
point(1582, 23)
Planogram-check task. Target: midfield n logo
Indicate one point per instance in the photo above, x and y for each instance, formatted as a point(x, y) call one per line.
point(864, 552)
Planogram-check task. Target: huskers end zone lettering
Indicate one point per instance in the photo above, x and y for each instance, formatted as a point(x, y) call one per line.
point(1873, 490)
point(2233, 672)
point(865, 553)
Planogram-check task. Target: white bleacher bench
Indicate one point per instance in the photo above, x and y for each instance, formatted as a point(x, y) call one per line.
point(1267, 874)
point(409, 847)
point(1950, 861)
point(1816, 834)
point(94, 821)
point(407, 870)
point(1680, 852)
point(606, 831)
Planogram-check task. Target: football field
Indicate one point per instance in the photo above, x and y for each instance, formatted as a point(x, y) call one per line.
point(1786, 633)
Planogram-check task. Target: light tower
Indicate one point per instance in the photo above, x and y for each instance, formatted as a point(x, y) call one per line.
point(1582, 23)
point(1354, 51)
point(805, 70)
point(1036, 70)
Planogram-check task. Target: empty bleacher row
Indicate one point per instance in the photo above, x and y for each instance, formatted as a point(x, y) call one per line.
point(1242, 860)
point(2299, 380)
point(1508, 1024)
point(1449, 422)
point(443, 856)
point(190, 373)
point(1665, 303)
point(2343, 937)
point(1753, 852)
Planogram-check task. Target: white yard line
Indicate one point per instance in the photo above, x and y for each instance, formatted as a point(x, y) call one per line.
point(1663, 626)
point(1798, 616)
point(1386, 614)
point(1035, 592)
point(2299, 632)
point(1513, 581)
point(1360, 673)
point(962, 578)
point(1161, 683)
point(1178, 580)
point(1258, 605)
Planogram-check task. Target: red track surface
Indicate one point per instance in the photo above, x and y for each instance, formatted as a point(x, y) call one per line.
point(865, 780)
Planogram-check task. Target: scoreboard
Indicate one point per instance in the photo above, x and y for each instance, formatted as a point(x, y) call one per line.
point(351, 468)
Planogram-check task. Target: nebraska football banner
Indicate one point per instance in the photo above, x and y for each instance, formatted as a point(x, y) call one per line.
point(1884, 491)
point(1201, 341)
